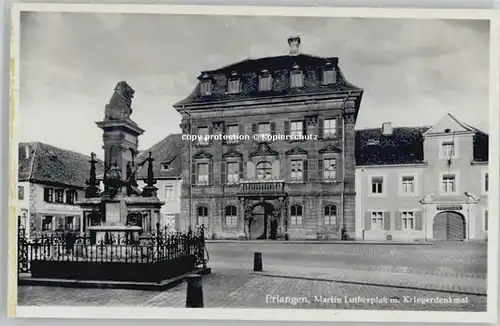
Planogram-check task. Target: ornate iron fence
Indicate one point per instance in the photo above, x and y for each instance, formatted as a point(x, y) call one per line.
point(153, 257)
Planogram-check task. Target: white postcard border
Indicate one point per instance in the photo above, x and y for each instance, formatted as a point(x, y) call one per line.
point(264, 314)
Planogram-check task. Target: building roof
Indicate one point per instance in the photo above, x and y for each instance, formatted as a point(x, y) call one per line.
point(403, 146)
point(52, 165)
point(279, 67)
point(167, 155)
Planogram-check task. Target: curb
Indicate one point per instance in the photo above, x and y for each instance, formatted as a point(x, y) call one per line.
point(369, 284)
point(324, 242)
point(144, 286)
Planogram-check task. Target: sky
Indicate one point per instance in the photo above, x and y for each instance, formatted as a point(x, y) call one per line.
point(413, 71)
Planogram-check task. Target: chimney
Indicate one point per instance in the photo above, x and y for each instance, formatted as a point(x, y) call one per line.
point(387, 128)
point(24, 151)
point(294, 44)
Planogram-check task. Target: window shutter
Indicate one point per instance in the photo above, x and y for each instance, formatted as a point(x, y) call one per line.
point(241, 128)
point(224, 133)
point(368, 221)
point(287, 128)
point(320, 127)
point(338, 169)
point(320, 169)
point(305, 178)
point(210, 173)
point(254, 128)
point(241, 170)
point(338, 216)
point(387, 221)
point(418, 221)
point(193, 173)
point(223, 172)
point(210, 133)
point(38, 222)
point(304, 127)
point(339, 127)
point(46, 194)
point(76, 195)
point(77, 222)
point(273, 128)
point(486, 220)
point(397, 221)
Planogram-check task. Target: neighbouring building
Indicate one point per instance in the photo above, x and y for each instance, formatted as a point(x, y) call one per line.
point(167, 170)
point(423, 183)
point(50, 180)
point(250, 187)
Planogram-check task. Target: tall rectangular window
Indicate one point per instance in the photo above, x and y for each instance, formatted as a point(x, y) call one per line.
point(448, 148)
point(169, 192)
point(206, 87)
point(71, 197)
point(486, 182)
point(330, 128)
point(202, 177)
point(408, 184)
point(59, 195)
point(233, 86)
point(264, 128)
point(377, 185)
point(203, 134)
point(448, 183)
point(329, 169)
point(48, 195)
point(296, 128)
point(297, 79)
point(408, 220)
point(232, 133)
point(233, 173)
point(47, 223)
point(297, 173)
point(265, 83)
point(377, 220)
point(20, 192)
point(328, 77)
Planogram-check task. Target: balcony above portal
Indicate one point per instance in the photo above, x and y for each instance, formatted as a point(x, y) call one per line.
point(262, 188)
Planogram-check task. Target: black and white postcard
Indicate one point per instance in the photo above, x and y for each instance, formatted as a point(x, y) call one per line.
point(254, 163)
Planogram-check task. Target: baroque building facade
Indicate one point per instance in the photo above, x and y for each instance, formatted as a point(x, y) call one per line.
point(422, 183)
point(299, 184)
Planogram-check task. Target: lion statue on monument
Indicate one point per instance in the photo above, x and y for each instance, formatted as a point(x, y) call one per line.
point(120, 104)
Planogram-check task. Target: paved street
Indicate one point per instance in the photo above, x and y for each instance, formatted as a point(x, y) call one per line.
point(448, 276)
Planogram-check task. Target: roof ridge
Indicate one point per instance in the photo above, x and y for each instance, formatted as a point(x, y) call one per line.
point(65, 150)
point(395, 127)
point(462, 124)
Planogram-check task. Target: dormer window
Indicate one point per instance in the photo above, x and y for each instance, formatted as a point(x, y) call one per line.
point(206, 85)
point(296, 77)
point(265, 81)
point(233, 84)
point(329, 77)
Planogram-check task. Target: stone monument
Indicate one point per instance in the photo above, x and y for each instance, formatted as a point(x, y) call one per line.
point(121, 210)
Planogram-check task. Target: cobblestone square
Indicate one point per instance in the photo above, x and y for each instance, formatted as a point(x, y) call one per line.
point(441, 277)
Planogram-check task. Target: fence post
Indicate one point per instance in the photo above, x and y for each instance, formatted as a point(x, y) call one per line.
point(194, 293)
point(257, 262)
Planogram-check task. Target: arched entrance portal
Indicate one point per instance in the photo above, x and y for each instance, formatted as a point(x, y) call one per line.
point(449, 226)
point(264, 225)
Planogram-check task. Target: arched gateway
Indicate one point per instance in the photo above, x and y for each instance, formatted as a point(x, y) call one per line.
point(449, 226)
point(262, 226)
